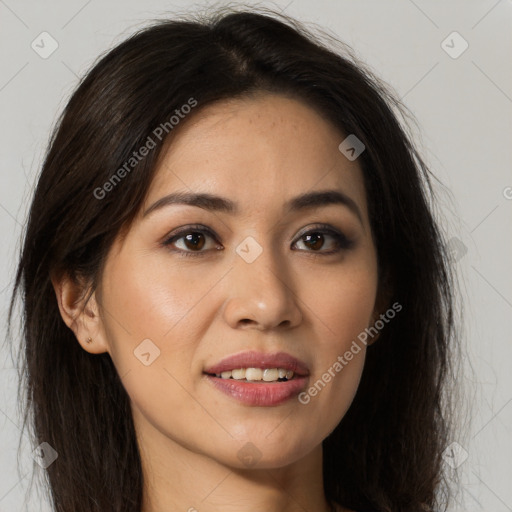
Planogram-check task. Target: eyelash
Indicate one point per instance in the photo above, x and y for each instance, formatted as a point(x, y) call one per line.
point(341, 241)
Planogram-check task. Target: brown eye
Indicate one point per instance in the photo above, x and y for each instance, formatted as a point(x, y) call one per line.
point(315, 239)
point(194, 241)
point(190, 241)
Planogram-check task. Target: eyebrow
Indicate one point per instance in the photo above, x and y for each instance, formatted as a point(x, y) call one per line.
point(215, 203)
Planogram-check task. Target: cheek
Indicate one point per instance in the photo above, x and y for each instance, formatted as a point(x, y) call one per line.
point(150, 308)
point(151, 297)
point(341, 310)
point(344, 303)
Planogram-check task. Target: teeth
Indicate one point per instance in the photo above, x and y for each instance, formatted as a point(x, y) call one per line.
point(257, 374)
point(254, 374)
point(270, 374)
point(238, 374)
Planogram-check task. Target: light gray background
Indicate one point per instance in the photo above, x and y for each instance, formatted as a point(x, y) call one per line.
point(463, 107)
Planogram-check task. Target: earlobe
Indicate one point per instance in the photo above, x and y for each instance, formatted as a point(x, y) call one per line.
point(80, 313)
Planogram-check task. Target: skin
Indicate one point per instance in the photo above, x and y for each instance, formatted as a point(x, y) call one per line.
point(259, 152)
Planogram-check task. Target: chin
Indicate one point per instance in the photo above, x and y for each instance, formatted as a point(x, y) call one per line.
point(258, 452)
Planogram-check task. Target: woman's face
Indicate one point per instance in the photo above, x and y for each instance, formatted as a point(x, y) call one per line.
point(269, 274)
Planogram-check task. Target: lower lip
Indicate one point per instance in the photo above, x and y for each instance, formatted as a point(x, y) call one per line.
point(262, 394)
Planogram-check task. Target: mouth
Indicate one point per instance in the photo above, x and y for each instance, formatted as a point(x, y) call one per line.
point(259, 379)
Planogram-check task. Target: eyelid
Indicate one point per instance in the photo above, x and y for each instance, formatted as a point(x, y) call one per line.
point(189, 228)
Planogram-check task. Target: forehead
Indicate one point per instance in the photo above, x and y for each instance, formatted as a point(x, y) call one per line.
point(259, 151)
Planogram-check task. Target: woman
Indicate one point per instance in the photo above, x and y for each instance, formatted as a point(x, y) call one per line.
point(235, 294)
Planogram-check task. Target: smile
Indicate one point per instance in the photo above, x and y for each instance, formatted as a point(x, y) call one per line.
point(259, 379)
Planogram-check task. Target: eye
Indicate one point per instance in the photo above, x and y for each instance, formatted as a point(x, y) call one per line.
point(192, 240)
point(314, 239)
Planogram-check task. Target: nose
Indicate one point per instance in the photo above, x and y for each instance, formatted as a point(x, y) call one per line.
point(261, 294)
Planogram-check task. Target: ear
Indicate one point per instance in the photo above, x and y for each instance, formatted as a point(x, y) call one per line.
point(80, 313)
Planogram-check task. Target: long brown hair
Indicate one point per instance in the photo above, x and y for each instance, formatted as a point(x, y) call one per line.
point(386, 454)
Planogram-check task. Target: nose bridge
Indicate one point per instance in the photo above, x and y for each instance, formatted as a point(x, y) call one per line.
point(260, 290)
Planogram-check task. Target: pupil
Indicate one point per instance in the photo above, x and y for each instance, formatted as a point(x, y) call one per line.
point(192, 237)
point(319, 238)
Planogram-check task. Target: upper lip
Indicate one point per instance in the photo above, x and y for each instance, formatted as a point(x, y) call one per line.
point(254, 359)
